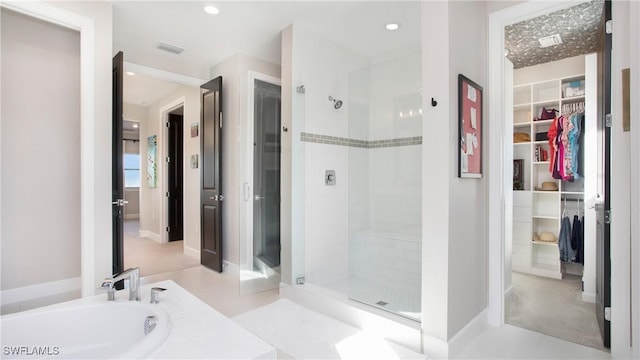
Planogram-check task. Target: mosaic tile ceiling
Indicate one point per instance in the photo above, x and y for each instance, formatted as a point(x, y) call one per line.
point(577, 26)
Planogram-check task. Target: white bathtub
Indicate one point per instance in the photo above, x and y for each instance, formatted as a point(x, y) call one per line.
point(107, 329)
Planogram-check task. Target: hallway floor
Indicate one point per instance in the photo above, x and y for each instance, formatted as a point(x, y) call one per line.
point(150, 256)
point(221, 291)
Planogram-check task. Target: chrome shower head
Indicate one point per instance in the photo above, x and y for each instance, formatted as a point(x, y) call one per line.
point(337, 104)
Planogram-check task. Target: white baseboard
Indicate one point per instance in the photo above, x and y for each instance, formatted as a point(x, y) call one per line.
point(191, 252)
point(230, 268)
point(150, 235)
point(435, 348)
point(468, 333)
point(131, 216)
point(24, 293)
point(590, 298)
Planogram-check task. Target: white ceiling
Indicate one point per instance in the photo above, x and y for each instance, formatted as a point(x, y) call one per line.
point(144, 90)
point(253, 28)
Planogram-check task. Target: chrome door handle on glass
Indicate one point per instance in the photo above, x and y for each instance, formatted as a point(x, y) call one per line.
point(258, 197)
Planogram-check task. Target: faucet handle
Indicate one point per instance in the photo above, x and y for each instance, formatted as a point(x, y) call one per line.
point(155, 294)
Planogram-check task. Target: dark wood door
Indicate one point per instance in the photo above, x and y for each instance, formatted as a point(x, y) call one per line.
point(117, 169)
point(175, 182)
point(603, 234)
point(211, 189)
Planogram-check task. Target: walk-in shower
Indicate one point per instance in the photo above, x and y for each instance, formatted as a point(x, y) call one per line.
point(385, 186)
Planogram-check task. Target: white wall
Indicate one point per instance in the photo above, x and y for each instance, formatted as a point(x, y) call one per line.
point(323, 67)
point(624, 154)
point(151, 199)
point(634, 59)
point(435, 184)
point(467, 198)
point(454, 210)
point(96, 262)
point(40, 151)
point(550, 70)
point(236, 148)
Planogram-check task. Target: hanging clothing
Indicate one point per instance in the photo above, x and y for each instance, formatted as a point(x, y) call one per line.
point(574, 143)
point(565, 134)
point(577, 240)
point(581, 248)
point(564, 240)
point(551, 138)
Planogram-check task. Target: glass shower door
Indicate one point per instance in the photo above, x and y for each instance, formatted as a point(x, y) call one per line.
point(266, 176)
point(260, 209)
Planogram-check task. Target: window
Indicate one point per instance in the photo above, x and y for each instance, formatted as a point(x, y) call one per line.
point(131, 170)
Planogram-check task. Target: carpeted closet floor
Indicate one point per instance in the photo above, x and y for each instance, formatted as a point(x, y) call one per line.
point(555, 308)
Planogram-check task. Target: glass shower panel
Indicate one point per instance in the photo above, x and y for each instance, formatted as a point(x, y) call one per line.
point(385, 186)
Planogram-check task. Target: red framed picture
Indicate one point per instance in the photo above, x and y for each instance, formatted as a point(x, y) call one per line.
point(469, 128)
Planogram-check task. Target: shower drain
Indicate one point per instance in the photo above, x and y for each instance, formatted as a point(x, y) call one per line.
point(382, 303)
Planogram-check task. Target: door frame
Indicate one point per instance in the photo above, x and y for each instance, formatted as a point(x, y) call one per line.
point(500, 204)
point(93, 266)
point(500, 180)
point(163, 168)
point(246, 190)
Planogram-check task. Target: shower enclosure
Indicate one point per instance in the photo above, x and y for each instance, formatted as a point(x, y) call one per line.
point(385, 186)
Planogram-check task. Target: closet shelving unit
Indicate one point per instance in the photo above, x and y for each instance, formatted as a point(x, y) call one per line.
point(535, 210)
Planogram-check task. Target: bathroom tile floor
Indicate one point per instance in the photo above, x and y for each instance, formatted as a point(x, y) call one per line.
point(221, 291)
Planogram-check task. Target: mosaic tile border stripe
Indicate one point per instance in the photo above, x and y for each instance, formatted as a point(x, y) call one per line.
point(340, 141)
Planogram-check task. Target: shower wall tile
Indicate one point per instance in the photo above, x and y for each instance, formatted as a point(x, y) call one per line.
point(341, 141)
point(326, 213)
point(380, 258)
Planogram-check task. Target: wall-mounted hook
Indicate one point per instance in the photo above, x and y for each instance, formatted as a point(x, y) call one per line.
point(434, 103)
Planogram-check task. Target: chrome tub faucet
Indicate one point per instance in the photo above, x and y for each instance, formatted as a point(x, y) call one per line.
point(132, 274)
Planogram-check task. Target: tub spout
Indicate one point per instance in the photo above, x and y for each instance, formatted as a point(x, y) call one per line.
point(132, 274)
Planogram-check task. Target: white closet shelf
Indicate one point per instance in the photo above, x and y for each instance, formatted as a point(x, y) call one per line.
point(542, 122)
point(550, 217)
point(539, 210)
point(547, 243)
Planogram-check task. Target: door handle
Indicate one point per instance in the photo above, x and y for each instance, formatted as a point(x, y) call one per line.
point(119, 202)
point(216, 197)
point(258, 197)
point(246, 192)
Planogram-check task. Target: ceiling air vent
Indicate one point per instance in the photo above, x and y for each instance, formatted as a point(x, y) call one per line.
point(550, 40)
point(170, 48)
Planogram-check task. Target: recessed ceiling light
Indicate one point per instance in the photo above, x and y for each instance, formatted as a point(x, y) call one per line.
point(212, 10)
point(130, 73)
point(135, 126)
point(392, 26)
